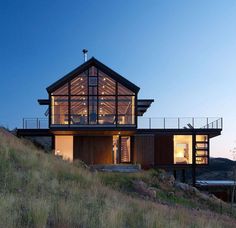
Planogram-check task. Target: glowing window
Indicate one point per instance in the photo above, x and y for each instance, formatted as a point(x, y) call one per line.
point(182, 149)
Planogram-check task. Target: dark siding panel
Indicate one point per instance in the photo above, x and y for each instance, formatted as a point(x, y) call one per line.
point(144, 150)
point(164, 150)
point(93, 149)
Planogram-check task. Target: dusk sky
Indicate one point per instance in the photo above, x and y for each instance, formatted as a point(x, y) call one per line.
point(181, 53)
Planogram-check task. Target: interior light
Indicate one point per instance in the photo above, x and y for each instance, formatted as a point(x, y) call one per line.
point(104, 79)
point(102, 93)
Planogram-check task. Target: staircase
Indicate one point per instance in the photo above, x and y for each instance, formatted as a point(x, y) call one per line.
point(122, 168)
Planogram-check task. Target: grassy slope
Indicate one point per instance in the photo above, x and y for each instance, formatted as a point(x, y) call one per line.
point(38, 190)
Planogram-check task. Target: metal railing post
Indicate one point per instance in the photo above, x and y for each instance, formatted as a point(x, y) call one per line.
point(164, 122)
point(178, 123)
point(207, 123)
point(37, 123)
point(193, 122)
point(150, 123)
point(23, 123)
point(221, 123)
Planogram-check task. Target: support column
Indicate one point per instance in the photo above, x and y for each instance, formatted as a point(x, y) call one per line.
point(194, 160)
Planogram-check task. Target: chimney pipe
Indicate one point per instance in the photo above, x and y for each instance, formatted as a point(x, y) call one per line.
point(85, 51)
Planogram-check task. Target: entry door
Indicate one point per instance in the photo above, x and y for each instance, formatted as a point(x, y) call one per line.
point(121, 149)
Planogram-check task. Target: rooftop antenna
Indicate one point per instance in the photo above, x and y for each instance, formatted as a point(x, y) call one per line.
point(85, 51)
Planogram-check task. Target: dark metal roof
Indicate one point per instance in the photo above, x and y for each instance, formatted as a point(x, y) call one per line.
point(143, 105)
point(99, 65)
point(43, 101)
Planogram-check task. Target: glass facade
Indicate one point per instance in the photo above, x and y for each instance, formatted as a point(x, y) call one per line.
point(93, 98)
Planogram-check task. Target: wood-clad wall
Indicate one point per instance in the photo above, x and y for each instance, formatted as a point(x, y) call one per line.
point(93, 149)
point(164, 150)
point(150, 149)
point(144, 150)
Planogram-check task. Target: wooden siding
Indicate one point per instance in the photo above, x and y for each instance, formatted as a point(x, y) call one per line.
point(164, 150)
point(144, 150)
point(93, 149)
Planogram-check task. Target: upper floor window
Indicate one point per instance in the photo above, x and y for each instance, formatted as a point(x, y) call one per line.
point(93, 98)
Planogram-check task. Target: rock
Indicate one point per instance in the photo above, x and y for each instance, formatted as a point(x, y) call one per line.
point(182, 186)
point(142, 188)
point(170, 180)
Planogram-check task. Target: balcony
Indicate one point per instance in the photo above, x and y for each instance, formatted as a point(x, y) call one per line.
point(148, 123)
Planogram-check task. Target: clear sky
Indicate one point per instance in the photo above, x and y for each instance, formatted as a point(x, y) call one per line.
point(181, 53)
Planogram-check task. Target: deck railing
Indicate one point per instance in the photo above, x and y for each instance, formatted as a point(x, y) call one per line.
point(35, 123)
point(149, 123)
point(180, 123)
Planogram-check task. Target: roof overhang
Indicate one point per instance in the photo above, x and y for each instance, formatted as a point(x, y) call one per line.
point(143, 105)
point(43, 101)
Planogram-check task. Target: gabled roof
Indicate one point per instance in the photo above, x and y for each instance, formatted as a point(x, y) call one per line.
point(99, 65)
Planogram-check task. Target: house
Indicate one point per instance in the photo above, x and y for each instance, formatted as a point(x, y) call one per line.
point(95, 114)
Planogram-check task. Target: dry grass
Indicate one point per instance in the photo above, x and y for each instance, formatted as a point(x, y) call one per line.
point(39, 190)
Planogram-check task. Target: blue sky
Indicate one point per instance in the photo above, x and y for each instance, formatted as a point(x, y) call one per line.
point(181, 53)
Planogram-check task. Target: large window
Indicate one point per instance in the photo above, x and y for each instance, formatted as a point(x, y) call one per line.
point(64, 147)
point(78, 114)
point(182, 149)
point(126, 110)
point(93, 98)
point(59, 110)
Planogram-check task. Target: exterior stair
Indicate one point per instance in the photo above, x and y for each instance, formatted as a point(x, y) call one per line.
point(122, 168)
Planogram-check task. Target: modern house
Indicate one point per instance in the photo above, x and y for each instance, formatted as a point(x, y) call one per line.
point(96, 115)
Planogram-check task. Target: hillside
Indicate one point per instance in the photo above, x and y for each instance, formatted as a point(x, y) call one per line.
point(218, 169)
point(40, 190)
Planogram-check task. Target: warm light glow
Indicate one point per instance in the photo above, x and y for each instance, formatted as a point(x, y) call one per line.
point(182, 149)
point(64, 147)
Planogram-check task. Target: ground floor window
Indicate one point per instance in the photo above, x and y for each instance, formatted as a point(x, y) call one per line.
point(64, 147)
point(202, 149)
point(183, 149)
